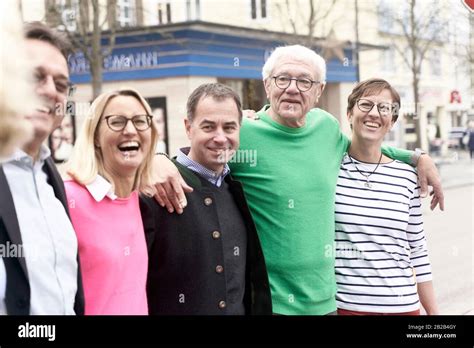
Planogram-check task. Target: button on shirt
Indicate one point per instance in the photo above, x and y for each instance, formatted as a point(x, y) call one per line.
point(49, 241)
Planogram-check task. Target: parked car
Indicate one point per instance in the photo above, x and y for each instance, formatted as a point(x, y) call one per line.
point(455, 137)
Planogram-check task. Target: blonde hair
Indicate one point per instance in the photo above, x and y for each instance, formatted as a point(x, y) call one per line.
point(86, 161)
point(17, 94)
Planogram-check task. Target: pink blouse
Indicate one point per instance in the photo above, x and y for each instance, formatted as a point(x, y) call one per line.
point(112, 251)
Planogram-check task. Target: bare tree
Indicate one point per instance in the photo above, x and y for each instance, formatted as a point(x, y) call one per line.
point(415, 31)
point(87, 23)
point(85, 26)
point(291, 13)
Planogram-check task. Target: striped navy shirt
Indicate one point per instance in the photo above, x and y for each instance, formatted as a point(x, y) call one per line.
point(380, 246)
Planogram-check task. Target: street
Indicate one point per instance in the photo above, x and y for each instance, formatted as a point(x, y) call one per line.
point(450, 237)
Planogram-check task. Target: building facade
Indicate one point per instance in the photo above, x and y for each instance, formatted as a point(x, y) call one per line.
point(165, 49)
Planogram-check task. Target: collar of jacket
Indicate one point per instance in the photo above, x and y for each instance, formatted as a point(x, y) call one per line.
point(192, 178)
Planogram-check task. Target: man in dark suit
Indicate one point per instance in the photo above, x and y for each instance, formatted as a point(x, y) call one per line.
point(39, 268)
point(207, 261)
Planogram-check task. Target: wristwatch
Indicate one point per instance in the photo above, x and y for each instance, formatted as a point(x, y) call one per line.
point(416, 156)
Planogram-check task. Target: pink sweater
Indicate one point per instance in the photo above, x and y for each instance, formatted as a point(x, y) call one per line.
point(112, 251)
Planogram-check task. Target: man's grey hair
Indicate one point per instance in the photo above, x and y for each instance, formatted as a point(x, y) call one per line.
point(299, 53)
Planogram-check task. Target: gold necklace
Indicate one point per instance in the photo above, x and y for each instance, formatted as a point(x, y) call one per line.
point(367, 182)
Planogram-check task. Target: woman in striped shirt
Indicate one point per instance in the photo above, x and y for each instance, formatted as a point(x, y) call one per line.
point(382, 264)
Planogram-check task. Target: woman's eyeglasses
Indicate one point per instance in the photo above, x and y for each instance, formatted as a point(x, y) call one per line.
point(117, 123)
point(385, 109)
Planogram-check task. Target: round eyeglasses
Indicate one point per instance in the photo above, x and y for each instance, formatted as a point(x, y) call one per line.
point(303, 84)
point(385, 109)
point(117, 123)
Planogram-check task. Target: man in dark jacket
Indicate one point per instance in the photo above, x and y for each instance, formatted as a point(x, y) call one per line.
point(39, 268)
point(207, 261)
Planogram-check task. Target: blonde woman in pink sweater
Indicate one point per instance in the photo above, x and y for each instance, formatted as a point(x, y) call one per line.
point(110, 164)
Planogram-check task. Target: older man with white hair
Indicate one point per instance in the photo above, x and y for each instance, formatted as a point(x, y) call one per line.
point(291, 187)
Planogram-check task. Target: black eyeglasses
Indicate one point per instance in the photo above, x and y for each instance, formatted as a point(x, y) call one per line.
point(385, 109)
point(62, 85)
point(303, 84)
point(117, 123)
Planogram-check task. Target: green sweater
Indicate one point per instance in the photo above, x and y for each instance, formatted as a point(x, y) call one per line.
point(289, 177)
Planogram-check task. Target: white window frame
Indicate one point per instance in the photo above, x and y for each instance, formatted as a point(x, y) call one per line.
point(193, 10)
point(435, 62)
point(131, 19)
point(66, 11)
point(164, 6)
point(388, 60)
point(389, 13)
point(258, 10)
point(386, 24)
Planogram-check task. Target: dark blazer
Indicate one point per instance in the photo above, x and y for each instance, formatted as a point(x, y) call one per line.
point(187, 238)
point(17, 295)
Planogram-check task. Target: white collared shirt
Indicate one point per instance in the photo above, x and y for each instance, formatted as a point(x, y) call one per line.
point(49, 242)
point(100, 188)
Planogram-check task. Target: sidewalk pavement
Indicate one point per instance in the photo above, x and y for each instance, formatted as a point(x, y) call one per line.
point(456, 169)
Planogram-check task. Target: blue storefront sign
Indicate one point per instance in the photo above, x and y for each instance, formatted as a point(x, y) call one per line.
point(193, 52)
